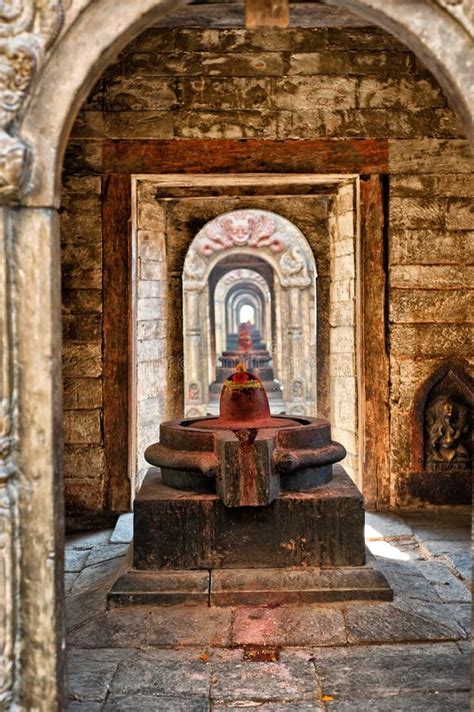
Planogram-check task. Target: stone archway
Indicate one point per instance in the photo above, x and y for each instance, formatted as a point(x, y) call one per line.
point(281, 244)
point(50, 93)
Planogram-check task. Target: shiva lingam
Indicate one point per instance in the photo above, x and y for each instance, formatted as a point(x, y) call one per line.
point(247, 508)
point(245, 455)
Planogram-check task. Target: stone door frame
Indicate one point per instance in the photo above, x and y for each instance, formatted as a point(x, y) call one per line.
point(33, 140)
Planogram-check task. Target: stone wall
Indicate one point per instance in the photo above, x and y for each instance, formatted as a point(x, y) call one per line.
point(324, 82)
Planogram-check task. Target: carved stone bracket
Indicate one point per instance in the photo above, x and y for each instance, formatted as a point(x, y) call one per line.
point(27, 30)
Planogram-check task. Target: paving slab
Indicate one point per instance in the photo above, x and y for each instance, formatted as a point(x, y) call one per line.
point(145, 676)
point(74, 706)
point(75, 559)
point(392, 623)
point(123, 532)
point(152, 703)
point(368, 672)
point(98, 575)
point(385, 525)
point(417, 702)
point(156, 627)
point(458, 555)
point(87, 540)
point(263, 682)
point(69, 579)
point(453, 616)
point(106, 552)
point(440, 526)
point(396, 549)
point(448, 587)
point(303, 706)
point(408, 581)
point(90, 673)
point(83, 606)
point(289, 626)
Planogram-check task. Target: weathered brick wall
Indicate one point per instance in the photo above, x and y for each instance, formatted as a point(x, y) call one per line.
point(292, 84)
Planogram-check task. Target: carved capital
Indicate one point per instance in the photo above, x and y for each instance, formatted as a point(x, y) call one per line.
point(27, 30)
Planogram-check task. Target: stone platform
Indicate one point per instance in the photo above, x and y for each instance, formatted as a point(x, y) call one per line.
point(306, 547)
point(322, 527)
point(250, 587)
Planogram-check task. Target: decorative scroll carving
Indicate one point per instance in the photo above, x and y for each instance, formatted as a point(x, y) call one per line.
point(257, 229)
point(251, 228)
point(27, 30)
point(238, 275)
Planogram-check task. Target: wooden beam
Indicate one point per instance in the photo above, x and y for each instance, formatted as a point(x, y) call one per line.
point(267, 13)
point(375, 425)
point(116, 211)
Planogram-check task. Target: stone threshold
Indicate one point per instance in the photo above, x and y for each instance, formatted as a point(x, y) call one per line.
point(251, 587)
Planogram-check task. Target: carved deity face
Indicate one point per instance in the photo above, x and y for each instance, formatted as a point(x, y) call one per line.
point(239, 228)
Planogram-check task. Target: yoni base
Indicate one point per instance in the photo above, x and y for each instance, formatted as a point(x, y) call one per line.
point(322, 527)
point(306, 547)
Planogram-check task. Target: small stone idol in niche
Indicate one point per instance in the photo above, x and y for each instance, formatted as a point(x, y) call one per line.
point(447, 433)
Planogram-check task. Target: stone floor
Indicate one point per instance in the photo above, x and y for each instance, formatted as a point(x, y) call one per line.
point(410, 655)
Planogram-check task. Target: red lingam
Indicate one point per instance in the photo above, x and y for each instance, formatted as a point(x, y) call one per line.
point(244, 404)
point(245, 443)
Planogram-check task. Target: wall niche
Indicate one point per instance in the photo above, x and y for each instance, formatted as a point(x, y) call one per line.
point(442, 438)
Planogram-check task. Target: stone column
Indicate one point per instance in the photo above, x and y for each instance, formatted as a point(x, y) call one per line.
point(295, 340)
point(192, 336)
point(34, 303)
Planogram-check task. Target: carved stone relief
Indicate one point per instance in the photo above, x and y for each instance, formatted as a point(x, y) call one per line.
point(447, 433)
point(27, 30)
point(256, 229)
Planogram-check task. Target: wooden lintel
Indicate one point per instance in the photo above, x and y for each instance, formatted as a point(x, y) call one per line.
point(267, 13)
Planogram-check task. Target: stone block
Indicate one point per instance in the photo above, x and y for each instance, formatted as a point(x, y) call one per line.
point(430, 247)
point(151, 350)
point(151, 329)
point(321, 527)
point(152, 703)
point(154, 39)
point(387, 671)
point(83, 494)
point(88, 124)
point(82, 328)
point(243, 682)
point(160, 588)
point(83, 461)
point(143, 94)
point(390, 623)
point(150, 308)
point(82, 360)
point(342, 314)
point(150, 379)
point(342, 340)
point(460, 215)
point(151, 243)
point(82, 427)
point(430, 155)
point(158, 627)
point(431, 340)
point(82, 266)
point(289, 626)
point(231, 93)
point(152, 270)
point(431, 305)
point(151, 289)
point(416, 213)
point(139, 124)
point(314, 92)
point(265, 587)
point(359, 63)
point(404, 93)
point(82, 393)
point(224, 124)
point(83, 157)
point(241, 64)
point(82, 301)
point(385, 525)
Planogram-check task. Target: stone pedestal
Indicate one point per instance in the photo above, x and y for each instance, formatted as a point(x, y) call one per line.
point(305, 546)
